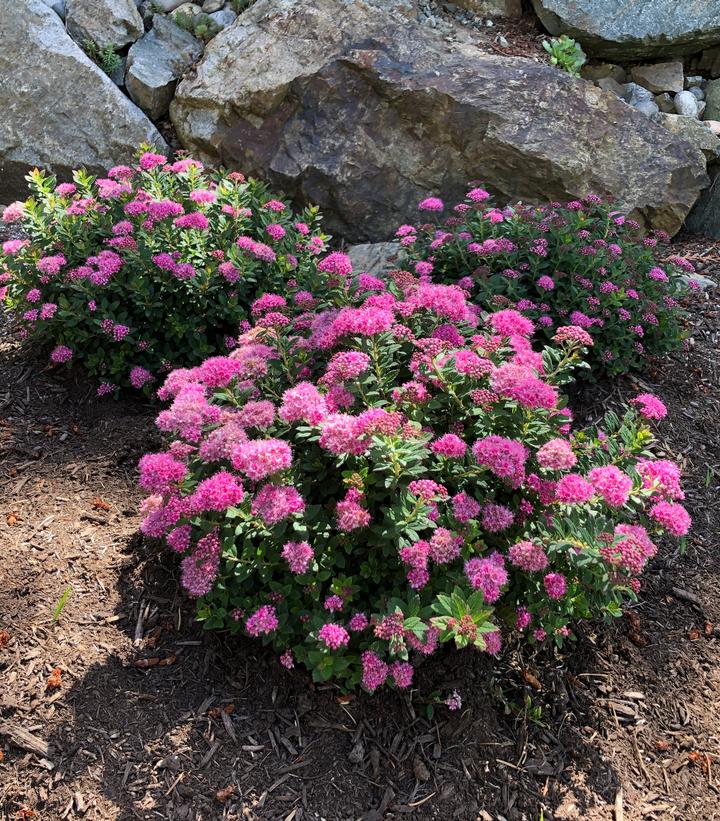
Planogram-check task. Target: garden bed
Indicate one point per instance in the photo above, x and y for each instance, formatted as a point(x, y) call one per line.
point(155, 719)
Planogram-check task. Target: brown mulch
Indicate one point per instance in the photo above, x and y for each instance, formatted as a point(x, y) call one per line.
point(115, 705)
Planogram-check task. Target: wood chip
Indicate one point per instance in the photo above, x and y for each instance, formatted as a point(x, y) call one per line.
point(24, 740)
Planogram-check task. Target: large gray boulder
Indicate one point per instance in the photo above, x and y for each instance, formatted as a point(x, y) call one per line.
point(103, 22)
point(59, 110)
point(634, 29)
point(156, 62)
point(367, 118)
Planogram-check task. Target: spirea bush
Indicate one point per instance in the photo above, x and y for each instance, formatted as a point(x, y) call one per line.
point(580, 263)
point(357, 484)
point(150, 268)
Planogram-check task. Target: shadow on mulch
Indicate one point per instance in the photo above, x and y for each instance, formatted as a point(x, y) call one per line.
point(214, 714)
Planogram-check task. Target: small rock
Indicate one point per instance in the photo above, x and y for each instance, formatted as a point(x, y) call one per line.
point(647, 107)
point(502, 42)
point(694, 80)
point(166, 6)
point(357, 754)
point(701, 108)
point(600, 72)
point(420, 769)
point(187, 8)
point(224, 17)
point(665, 103)
point(156, 62)
point(697, 92)
point(703, 282)
point(712, 98)
point(209, 6)
point(695, 132)
point(686, 104)
point(608, 84)
point(713, 125)
point(374, 258)
point(103, 22)
point(659, 77)
point(634, 93)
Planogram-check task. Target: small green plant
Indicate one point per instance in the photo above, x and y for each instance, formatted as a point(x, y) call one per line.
point(106, 57)
point(199, 25)
point(565, 53)
point(239, 6)
point(60, 606)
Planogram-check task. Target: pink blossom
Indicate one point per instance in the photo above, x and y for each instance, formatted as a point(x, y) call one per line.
point(528, 556)
point(465, 507)
point(218, 492)
point(334, 636)
point(200, 568)
point(375, 671)
point(336, 263)
point(511, 323)
point(61, 354)
point(488, 575)
point(159, 472)
point(402, 673)
point(258, 458)
point(504, 457)
point(273, 503)
point(555, 585)
point(612, 484)
point(650, 406)
point(298, 556)
point(450, 446)
point(358, 622)
point(673, 517)
point(262, 621)
point(431, 204)
point(557, 454)
point(496, 518)
point(573, 489)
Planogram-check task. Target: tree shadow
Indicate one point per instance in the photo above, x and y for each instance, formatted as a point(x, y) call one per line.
point(216, 713)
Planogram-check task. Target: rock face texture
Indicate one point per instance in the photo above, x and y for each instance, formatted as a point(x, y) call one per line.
point(156, 62)
point(634, 29)
point(705, 216)
point(59, 110)
point(104, 22)
point(367, 118)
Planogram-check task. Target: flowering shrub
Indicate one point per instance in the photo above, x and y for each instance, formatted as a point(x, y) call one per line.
point(150, 268)
point(580, 263)
point(359, 483)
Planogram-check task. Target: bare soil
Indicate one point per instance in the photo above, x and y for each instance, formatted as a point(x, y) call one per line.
point(155, 719)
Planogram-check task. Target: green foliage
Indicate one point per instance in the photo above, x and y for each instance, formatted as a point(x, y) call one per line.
point(200, 25)
point(132, 290)
point(106, 57)
point(565, 53)
point(580, 263)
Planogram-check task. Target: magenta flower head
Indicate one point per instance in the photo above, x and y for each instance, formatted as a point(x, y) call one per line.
point(262, 621)
point(61, 354)
point(336, 263)
point(431, 204)
point(334, 636)
point(649, 406)
point(555, 585)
